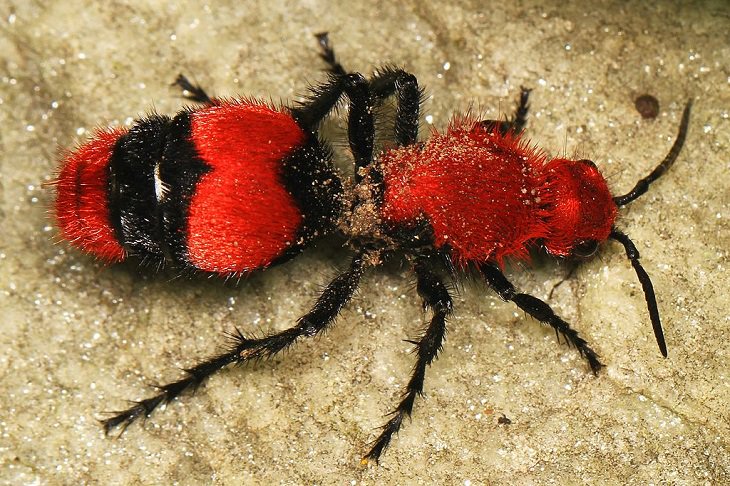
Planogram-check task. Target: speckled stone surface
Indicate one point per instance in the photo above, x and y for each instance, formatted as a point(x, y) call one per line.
point(77, 338)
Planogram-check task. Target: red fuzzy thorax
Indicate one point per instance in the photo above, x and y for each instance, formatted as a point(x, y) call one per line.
point(82, 202)
point(480, 191)
point(489, 196)
point(241, 216)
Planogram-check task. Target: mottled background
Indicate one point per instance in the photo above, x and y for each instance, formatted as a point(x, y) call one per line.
point(77, 338)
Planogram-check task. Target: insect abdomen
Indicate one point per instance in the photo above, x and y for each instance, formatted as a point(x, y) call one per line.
point(242, 216)
point(82, 198)
point(224, 189)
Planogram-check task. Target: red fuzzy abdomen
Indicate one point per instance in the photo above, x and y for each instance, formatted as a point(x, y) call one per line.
point(241, 217)
point(479, 190)
point(82, 201)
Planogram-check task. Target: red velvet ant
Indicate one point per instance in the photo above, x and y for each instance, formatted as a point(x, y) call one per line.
point(235, 186)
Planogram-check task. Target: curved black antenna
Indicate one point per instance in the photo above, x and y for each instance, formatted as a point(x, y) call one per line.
point(642, 186)
point(633, 255)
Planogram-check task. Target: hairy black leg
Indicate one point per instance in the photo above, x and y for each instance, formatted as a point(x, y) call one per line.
point(409, 97)
point(323, 97)
point(390, 80)
point(385, 83)
point(517, 123)
point(434, 295)
point(643, 185)
point(540, 311)
point(362, 97)
point(328, 54)
point(360, 124)
point(361, 130)
point(519, 119)
point(243, 349)
point(192, 92)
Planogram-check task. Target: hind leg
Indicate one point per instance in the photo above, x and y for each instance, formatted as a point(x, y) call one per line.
point(192, 92)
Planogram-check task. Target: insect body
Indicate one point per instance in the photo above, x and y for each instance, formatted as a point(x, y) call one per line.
point(235, 186)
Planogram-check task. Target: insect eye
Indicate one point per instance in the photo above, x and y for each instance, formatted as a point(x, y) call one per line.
point(585, 249)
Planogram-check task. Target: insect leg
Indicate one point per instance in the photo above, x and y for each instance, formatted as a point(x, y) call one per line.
point(328, 54)
point(517, 123)
point(192, 92)
point(572, 267)
point(389, 80)
point(243, 349)
point(540, 311)
point(360, 124)
point(385, 83)
point(436, 296)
